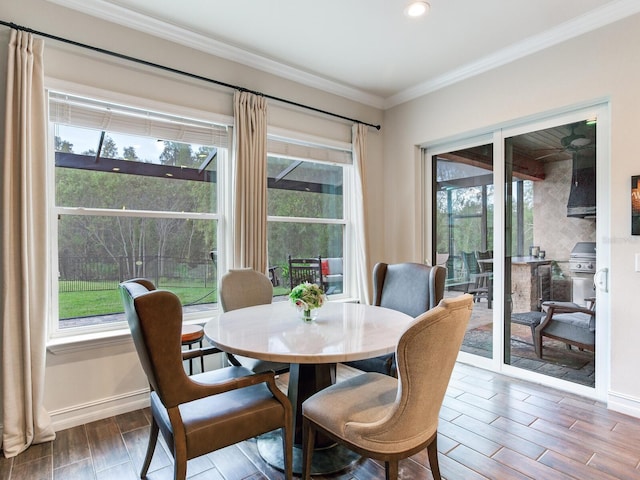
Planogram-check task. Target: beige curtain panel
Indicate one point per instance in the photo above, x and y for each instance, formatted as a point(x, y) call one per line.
point(24, 248)
point(250, 196)
point(359, 214)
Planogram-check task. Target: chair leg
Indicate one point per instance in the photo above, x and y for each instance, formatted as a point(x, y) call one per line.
point(391, 469)
point(153, 439)
point(432, 450)
point(201, 360)
point(308, 443)
point(287, 445)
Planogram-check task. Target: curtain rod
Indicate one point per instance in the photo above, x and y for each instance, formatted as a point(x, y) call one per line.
point(182, 72)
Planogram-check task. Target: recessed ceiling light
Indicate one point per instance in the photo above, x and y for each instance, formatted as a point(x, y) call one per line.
point(417, 9)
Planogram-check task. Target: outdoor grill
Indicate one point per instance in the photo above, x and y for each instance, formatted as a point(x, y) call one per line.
point(582, 264)
point(583, 258)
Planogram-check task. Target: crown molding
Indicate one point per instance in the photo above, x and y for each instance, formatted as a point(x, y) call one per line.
point(597, 18)
point(139, 22)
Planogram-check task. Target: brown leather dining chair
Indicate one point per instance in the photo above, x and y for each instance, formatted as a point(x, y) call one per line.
point(411, 288)
point(205, 412)
point(390, 419)
point(242, 288)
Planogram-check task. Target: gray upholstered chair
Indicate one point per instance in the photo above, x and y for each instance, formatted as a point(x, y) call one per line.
point(242, 288)
point(390, 419)
point(205, 412)
point(411, 288)
point(569, 323)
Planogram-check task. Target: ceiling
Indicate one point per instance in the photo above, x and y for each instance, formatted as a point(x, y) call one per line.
point(365, 50)
point(532, 150)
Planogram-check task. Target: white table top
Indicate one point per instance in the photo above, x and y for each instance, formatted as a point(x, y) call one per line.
point(276, 332)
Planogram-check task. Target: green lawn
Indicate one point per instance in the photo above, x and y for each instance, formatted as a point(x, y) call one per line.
point(103, 302)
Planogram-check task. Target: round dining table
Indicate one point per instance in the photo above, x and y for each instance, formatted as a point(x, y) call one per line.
point(340, 332)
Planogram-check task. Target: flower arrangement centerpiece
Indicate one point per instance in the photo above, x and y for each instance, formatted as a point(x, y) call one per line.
point(306, 297)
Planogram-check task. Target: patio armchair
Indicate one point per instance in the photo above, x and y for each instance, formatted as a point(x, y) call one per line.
point(569, 323)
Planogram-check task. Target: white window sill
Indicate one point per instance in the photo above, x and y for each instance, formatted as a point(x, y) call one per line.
point(76, 343)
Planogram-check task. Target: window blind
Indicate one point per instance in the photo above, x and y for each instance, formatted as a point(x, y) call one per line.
point(104, 116)
point(304, 150)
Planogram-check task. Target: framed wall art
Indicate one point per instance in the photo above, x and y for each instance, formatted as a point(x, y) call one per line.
point(635, 205)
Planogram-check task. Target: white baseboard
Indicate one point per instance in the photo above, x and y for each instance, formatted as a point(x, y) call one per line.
point(90, 412)
point(626, 404)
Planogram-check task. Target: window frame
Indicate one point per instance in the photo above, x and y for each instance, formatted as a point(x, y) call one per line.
point(309, 149)
point(60, 336)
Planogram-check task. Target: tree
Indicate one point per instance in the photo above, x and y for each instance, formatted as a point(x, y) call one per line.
point(129, 153)
point(177, 154)
point(63, 145)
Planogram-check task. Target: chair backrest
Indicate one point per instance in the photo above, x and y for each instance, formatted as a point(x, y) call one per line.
point(244, 287)
point(305, 270)
point(411, 288)
point(470, 263)
point(426, 354)
point(484, 255)
point(155, 321)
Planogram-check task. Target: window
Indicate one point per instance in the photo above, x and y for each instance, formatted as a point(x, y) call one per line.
point(306, 211)
point(135, 196)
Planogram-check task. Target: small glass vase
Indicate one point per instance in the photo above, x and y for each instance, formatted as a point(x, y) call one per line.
point(309, 315)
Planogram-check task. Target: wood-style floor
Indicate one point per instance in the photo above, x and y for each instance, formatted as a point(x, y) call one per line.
point(491, 427)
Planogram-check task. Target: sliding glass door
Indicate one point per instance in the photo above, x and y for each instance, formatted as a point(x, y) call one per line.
point(550, 245)
point(463, 200)
point(513, 218)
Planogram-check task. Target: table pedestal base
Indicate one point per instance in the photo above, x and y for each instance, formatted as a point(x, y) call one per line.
point(325, 461)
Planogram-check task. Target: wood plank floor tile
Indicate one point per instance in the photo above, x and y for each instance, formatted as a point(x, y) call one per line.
point(5, 466)
point(487, 466)
point(469, 409)
point(498, 408)
point(124, 471)
point(81, 470)
point(107, 447)
point(527, 466)
point(557, 416)
point(610, 465)
point(516, 443)
point(70, 446)
point(132, 421)
point(39, 469)
point(592, 416)
point(550, 442)
point(594, 444)
point(34, 452)
point(136, 442)
point(232, 463)
point(473, 440)
point(491, 427)
point(571, 467)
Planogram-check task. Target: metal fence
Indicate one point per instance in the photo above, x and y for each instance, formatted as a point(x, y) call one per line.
point(81, 273)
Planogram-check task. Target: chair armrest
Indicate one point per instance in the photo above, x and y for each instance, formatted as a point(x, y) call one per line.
point(199, 352)
point(558, 308)
point(195, 390)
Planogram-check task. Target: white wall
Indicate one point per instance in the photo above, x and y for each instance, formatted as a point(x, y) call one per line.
point(86, 384)
point(596, 66)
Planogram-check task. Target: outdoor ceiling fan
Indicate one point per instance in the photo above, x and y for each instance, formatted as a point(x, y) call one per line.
point(570, 144)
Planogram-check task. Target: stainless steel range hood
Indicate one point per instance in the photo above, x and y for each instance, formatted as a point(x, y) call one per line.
point(582, 195)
